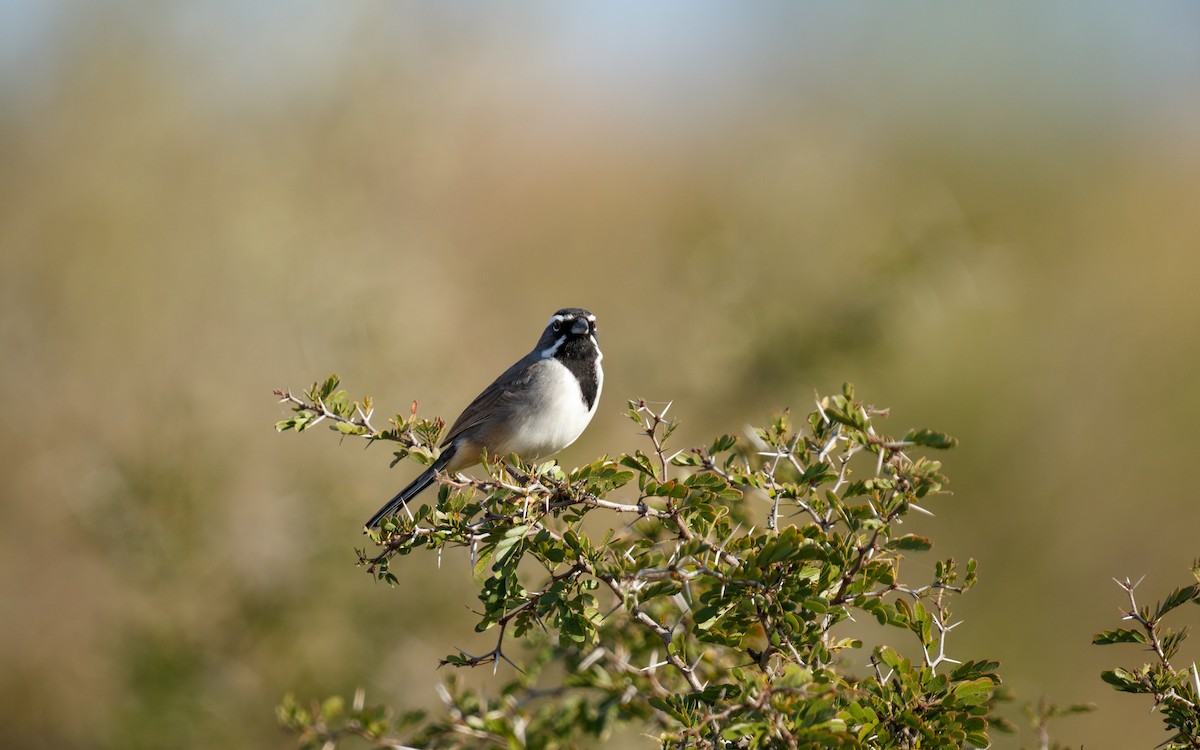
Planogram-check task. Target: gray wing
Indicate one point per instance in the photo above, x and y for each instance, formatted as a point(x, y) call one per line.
point(495, 399)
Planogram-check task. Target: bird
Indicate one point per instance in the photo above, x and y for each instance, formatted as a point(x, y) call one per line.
point(534, 409)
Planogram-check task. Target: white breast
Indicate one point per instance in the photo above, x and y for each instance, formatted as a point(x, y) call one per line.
point(560, 418)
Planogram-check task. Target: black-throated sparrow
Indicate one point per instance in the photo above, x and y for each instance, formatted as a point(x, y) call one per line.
point(536, 408)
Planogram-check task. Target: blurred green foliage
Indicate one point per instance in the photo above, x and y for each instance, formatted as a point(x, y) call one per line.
point(177, 238)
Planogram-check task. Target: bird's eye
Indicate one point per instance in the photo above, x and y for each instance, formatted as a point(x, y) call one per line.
point(557, 325)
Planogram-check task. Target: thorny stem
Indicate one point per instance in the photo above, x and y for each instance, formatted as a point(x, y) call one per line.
point(404, 434)
point(323, 412)
point(714, 722)
point(497, 653)
point(650, 430)
point(1150, 626)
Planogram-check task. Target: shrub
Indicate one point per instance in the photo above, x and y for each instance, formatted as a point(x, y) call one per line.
point(702, 595)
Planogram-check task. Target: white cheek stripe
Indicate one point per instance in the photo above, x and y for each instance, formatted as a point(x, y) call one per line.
point(553, 349)
point(599, 384)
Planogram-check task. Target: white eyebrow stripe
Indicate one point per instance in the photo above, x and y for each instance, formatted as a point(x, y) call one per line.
point(559, 318)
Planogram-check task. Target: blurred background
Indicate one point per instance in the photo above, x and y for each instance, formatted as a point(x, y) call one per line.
point(983, 215)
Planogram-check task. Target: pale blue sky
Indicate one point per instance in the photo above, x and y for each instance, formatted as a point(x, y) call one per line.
point(1102, 62)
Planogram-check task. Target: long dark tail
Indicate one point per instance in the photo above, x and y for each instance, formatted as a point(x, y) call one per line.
point(416, 487)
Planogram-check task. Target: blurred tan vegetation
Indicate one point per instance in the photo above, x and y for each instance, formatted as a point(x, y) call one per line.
point(180, 233)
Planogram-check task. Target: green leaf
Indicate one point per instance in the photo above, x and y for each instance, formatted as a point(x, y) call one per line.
point(326, 389)
point(1178, 597)
point(779, 550)
point(930, 439)
point(706, 481)
point(895, 661)
point(794, 676)
point(707, 616)
point(673, 706)
point(910, 542)
point(974, 692)
point(1119, 635)
point(713, 693)
point(1052, 711)
point(818, 606)
point(973, 669)
point(722, 444)
point(482, 558)
point(512, 537)
point(1124, 681)
point(638, 462)
point(332, 708)
point(669, 488)
point(347, 428)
